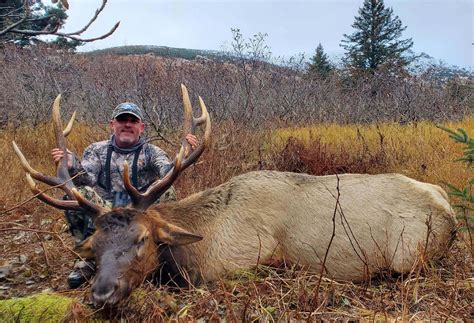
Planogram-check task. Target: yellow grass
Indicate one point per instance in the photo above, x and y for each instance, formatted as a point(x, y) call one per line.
point(36, 144)
point(421, 150)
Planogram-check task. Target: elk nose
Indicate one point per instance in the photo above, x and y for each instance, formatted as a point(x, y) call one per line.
point(101, 293)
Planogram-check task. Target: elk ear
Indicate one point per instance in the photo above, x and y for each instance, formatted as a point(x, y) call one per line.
point(173, 235)
point(84, 248)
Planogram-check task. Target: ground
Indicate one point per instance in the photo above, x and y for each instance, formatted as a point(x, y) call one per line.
point(37, 256)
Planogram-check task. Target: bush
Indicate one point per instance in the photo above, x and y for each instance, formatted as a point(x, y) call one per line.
point(464, 196)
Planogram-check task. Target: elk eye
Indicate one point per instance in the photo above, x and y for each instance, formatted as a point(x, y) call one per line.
point(141, 243)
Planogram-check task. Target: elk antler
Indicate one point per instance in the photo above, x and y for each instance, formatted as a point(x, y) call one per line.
point(62, 180)
point(142, 201)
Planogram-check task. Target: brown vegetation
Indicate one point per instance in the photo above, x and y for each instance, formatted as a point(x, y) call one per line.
point(247, 93)
point(38, 250)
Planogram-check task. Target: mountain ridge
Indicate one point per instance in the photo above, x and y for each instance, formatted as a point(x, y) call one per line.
point(163, 51)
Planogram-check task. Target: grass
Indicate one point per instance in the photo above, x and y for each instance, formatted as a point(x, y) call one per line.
point(440, 291)
point(420, 150)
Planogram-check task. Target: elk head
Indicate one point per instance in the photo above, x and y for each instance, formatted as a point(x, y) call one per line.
point(125, 243)
point(126, 247)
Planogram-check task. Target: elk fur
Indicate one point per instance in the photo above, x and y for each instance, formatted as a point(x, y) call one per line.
point(383, 222)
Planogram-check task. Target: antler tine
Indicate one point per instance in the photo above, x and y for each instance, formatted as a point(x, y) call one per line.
point(135, 195)
point(61, 171)
point(68, 128)
point(62, 180)
point(92, 208)
point(188, 111)
point(79, 204)
point(191, 123)
point(188, 124)
point(60, 204)
point(144, 200)
point(50, 180)
point(204, 114)
point(204, 118)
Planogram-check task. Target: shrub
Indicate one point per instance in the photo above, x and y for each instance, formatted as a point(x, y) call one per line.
point(464, 196)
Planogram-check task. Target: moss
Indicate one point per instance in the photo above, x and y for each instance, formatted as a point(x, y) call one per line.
point(36, 308)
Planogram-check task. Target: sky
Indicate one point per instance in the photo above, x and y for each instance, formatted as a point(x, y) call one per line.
point(441, 28)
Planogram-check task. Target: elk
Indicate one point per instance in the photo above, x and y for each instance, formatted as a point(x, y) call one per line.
point(347, 226)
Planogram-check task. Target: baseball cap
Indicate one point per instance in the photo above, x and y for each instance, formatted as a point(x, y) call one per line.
point(127, 108)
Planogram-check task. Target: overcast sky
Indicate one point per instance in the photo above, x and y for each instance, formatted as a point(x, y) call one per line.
point(441, 28)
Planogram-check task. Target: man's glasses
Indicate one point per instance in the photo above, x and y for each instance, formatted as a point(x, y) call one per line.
point(127, 118)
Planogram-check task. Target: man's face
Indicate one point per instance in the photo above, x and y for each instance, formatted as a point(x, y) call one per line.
point(127, 130)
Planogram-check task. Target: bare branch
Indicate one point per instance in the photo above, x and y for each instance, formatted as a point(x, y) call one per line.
point(37, 32)
point(88, 40)
point(97, 12)
point(15, 28)
point(12, 26)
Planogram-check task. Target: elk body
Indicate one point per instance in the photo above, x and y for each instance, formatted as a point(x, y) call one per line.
point(380, 222)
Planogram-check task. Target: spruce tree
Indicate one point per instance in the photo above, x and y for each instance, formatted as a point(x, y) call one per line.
point(17, 17)
point(320, 66)
point(23, 22)
point(375, 42)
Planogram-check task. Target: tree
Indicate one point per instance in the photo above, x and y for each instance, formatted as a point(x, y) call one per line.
point(29, 15)
point(320, 66)
point(375, 44)
point(23, 21)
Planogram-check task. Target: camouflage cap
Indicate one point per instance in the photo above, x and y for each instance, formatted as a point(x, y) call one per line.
point(127, 108)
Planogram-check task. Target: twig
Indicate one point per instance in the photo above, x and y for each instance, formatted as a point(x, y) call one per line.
point(27, 229)
point(46, 258)
point(55, 234)
point(258, 256)
point(39, 193)
point(230, 310)
point(333, 234)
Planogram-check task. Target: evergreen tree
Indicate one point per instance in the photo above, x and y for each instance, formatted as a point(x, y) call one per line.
point(375, 44)
point(23, 21)
point(320, 66)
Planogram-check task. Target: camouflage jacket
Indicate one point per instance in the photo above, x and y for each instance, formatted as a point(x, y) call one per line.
point(152, 162)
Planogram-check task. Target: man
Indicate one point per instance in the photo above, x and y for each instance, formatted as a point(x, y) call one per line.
point(101, 180)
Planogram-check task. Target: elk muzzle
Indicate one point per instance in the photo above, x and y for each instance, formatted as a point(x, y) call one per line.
point(108, 290)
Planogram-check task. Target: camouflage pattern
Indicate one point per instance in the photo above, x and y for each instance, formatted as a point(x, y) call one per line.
point(127, 108)
point(79, 222)
point(152, 163)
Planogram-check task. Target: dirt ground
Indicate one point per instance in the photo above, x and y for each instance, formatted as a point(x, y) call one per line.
point(36, 251)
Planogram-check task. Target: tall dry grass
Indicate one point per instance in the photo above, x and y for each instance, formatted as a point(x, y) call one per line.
point(420, 150)
point(36, 144)
point(439, 291)
point(232, 151)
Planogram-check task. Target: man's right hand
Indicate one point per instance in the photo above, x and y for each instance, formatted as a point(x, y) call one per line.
point(58, 154)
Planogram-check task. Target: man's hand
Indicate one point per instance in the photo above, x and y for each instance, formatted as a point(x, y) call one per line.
point(192, 140)
point(58, 154)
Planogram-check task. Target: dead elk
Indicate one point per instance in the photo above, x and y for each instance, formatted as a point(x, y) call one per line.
point(381, 222)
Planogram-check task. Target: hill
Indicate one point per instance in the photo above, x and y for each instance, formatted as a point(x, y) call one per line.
point(163, 51)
